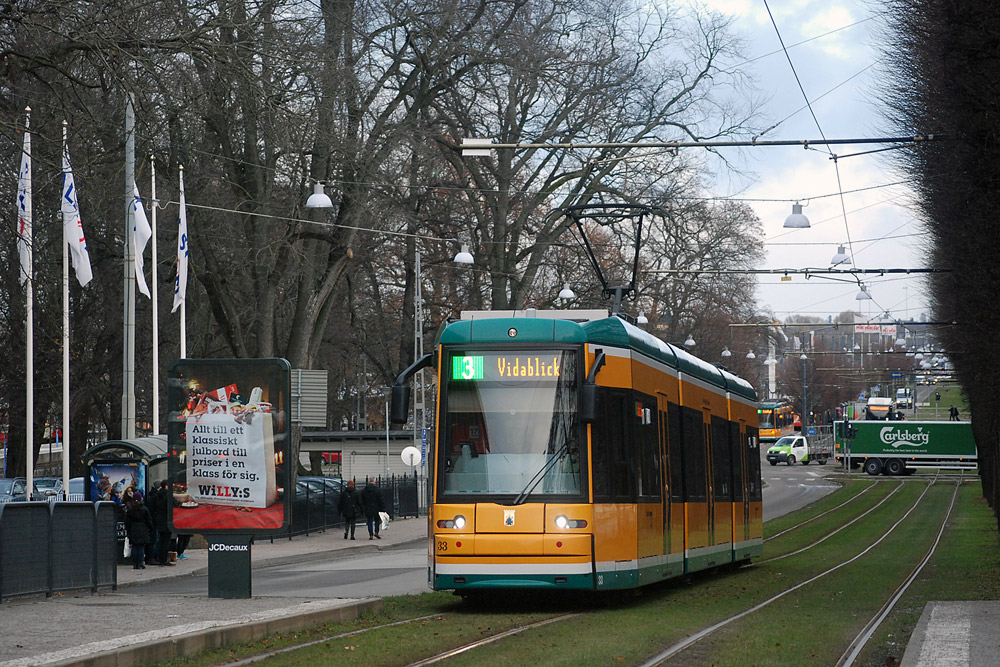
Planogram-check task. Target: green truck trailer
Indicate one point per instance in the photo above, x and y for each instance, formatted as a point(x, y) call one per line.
point(900, 447)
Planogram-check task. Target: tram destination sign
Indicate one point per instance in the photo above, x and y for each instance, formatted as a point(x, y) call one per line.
point(508, 366)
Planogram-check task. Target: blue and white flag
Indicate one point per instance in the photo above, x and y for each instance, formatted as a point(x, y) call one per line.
point(181, 278)
point(141, 233)
point(74, 225)
point(24, 209)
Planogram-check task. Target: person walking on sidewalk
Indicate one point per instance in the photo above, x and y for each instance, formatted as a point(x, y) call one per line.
point(372, 502)
point(349, 507)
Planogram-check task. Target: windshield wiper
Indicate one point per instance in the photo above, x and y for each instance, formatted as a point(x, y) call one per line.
point(540, 475)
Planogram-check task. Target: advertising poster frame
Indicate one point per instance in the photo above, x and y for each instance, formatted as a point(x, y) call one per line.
point(229, 442)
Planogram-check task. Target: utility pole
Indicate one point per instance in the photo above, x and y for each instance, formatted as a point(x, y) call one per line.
point(128, 353)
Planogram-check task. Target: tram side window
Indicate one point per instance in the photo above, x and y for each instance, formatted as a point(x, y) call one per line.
point(695, 456)
point(739, 462)
point(613, 476)
point(648, 446)
point(753, 464)
point(675, 453)
point(721, 463)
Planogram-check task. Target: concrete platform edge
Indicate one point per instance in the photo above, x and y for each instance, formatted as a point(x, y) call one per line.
point(193, 643)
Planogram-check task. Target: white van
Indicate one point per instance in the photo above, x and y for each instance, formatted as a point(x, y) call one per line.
point(904, 398)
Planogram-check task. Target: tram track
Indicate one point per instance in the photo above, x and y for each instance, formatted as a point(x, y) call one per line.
point(843, 527)
point(857, 645)
point(679, 647)
point(822, 514)
point(468, 649)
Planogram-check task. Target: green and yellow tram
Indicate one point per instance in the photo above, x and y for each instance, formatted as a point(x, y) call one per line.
point(584, 455)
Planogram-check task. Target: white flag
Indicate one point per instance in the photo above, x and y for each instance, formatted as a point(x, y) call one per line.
point(141, 233)
point(24, 210)
point(74, 226)
point(181, 279)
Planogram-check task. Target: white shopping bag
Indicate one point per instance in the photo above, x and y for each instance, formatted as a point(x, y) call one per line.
point(231, 462)
point(384, 518)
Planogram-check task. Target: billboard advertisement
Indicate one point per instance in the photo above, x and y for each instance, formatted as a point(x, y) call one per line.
point(109, 479)
point(228, 437)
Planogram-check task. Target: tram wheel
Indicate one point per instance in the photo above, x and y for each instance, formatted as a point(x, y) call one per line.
point(791, 460)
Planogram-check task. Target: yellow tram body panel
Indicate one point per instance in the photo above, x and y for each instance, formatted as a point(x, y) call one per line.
point(618, 544)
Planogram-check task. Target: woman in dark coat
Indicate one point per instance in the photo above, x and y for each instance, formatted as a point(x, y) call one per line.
point(139, 527)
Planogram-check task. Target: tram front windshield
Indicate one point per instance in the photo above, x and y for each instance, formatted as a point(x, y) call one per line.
point(509, 430)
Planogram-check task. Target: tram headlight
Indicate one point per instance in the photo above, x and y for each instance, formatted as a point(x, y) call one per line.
point(458, 522)
point(563, 522)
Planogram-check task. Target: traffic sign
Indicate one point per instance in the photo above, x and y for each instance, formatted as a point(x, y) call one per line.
point(896, 374)
point(811, 430)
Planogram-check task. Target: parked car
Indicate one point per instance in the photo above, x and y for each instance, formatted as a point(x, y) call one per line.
point(12, 489)
point(49, 486)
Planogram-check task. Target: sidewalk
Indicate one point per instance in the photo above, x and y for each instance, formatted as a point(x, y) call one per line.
point(129, 627)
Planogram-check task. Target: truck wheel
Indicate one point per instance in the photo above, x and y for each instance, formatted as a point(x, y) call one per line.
point(790, 460)
point(873, 467)
point(822, 462)
point(894, 467)
point(806, 462)
point(774, 463)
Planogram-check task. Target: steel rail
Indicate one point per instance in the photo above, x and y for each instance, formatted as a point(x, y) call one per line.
point(832, 533)
point(488, 640)
point(822, 514)
point(856, 646)
point(260, 657)
point(670, 652)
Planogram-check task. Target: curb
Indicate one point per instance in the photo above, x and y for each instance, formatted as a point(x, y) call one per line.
point(186, 645)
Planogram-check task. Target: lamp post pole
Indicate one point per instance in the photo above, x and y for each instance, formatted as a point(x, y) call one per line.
point(388, 393)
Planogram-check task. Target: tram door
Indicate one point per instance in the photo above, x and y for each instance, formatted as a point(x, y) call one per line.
point(741, 509)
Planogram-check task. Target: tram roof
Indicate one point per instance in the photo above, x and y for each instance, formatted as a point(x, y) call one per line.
point(609, 331)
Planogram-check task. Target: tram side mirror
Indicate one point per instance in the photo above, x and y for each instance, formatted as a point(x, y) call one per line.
point(588, 403)
point(399, 410)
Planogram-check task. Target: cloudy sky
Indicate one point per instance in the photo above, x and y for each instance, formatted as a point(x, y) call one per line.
point(833, 47)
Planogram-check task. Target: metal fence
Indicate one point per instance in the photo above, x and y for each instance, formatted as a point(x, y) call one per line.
point(314, 511)
point(49, 547)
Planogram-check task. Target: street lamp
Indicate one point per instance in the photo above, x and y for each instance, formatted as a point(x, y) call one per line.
point(841, 257)
point(797, 220)
point(689, 342)
point(319, 199)
point(726, 353)
point(464, 256)
point(566, 294)
point(751, 355)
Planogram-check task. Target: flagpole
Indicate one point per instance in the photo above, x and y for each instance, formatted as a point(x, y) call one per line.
point(128, 352)
point(156, 330)
point(29, 365)
point(182, 251)
point(65, 323)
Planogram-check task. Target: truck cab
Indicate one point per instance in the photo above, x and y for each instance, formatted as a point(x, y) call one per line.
point(788, 449)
